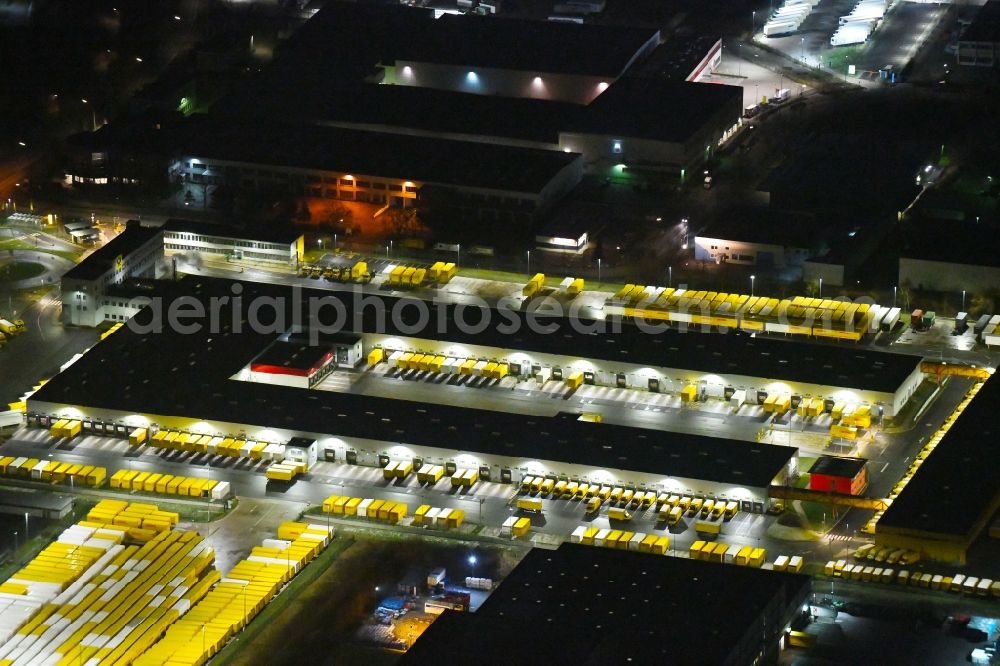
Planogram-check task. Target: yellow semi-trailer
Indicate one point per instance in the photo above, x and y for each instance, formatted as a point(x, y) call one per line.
point(137, 436)
point(396, 276)
point(384, 510)
point(520, 527)
point(707, 527)
point(575, 380)
point(57, 428)
point(675, 516)
point(732, 507)
point(403, 469)
point(397, 513)
point(329, 502)
point(435, 474)
point(743, 556)
point(616, 513)
point(117, 477)
point(756, 558)
point(455, 518)
point(418, 515)
point(529, 504)
point(149, 485)
point(389, 471)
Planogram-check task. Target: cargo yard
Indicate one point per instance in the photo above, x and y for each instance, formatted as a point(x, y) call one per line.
point(762, 450)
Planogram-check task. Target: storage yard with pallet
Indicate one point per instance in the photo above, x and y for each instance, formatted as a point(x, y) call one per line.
point(126, 586)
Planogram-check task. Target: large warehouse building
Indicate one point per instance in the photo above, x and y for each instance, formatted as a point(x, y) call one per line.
point(109, 385)
point(955, 492)
point(489, 115)
point(586, 605)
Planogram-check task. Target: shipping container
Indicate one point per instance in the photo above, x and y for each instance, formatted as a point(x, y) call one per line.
point(618, 514)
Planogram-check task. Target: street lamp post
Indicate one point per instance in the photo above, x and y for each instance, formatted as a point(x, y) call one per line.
point(753, 23)
point(894, 296)
point(599, 270)
point(821, 287)
point(15, 542)
point(529, 262)
point(458, 254)
point(670, 276)
point(963, 300)
point(752, 278)
point(335, 241)
point(25, 526)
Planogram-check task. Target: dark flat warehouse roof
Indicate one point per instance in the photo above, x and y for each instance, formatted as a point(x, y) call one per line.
point(444, 111)
point(837, 466)
point(101, 261)
point(526, 45)
point(115, 375)
point(964, 243)
point(269, 235)
point(985, 27)
point(399, 156)
point(586, 605)
point(655, 108)
point(765, 225)
point(959, 482)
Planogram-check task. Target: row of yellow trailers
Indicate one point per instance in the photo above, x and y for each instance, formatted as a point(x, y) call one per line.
point(373, 509)
point(669, 506)
point(959, 583)
point(66, 428)
point(199, 443)
point(429, 516)
point(430, 474)
point(52, 471)
point(745, 556)
point(169, 484)
point(235, 601)
point(438, 363)
point(798, 316)
point(134, 515)
point(622, 539)
point(133, 594)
